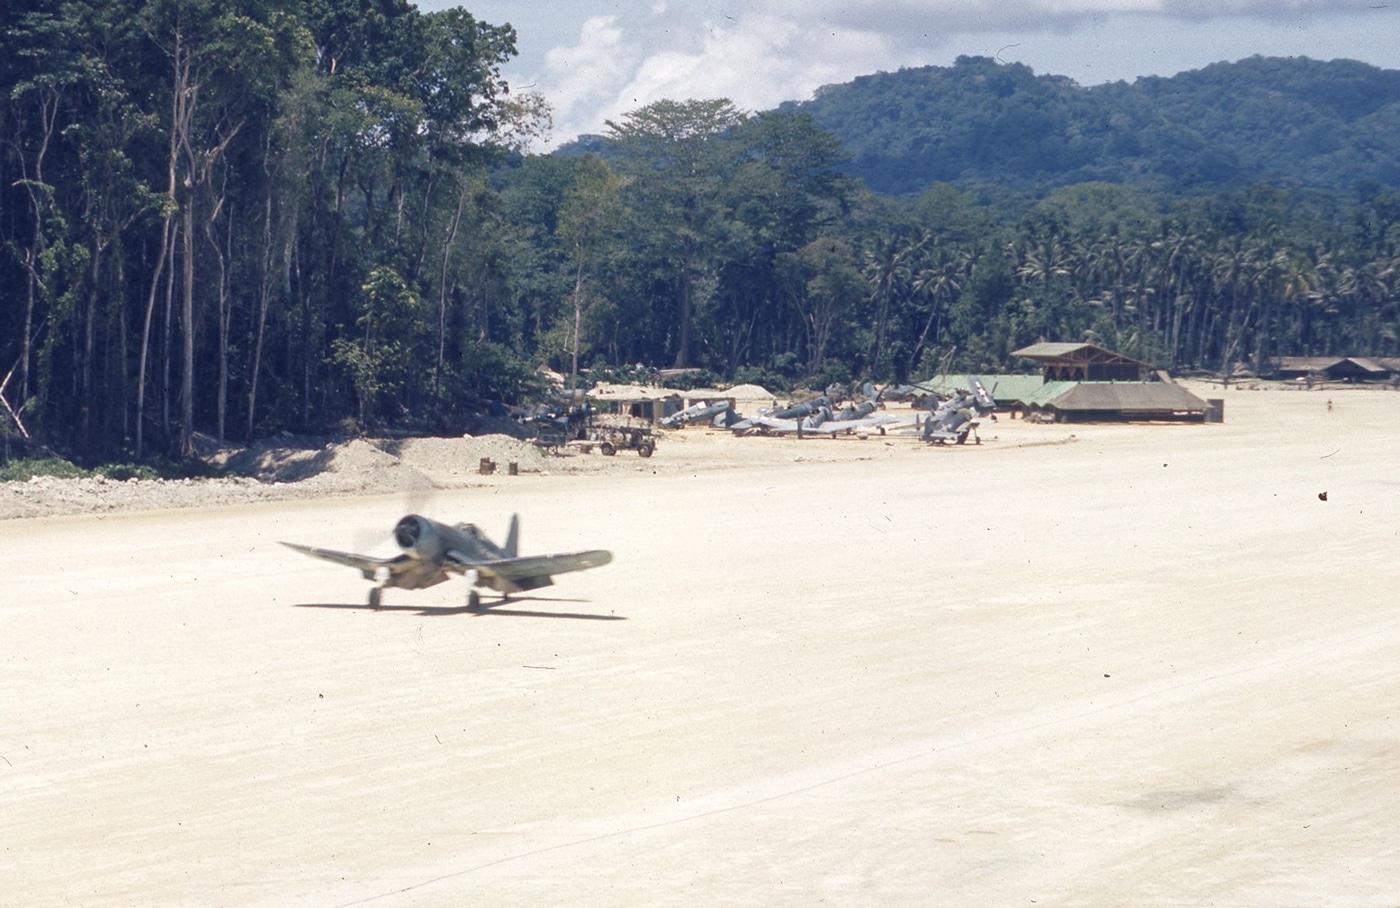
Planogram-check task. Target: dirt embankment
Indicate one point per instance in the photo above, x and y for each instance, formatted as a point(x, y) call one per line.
point(304, 467)
point(289, 467)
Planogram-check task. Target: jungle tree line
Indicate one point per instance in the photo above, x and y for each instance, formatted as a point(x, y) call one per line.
point(240, 217)
point(226, 216)
point(747, 254)
point(1194, 284)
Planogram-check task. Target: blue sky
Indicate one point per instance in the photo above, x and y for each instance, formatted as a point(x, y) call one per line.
point(595, 60)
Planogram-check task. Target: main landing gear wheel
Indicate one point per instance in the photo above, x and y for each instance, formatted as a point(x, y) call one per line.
point(473, 600)
point(376, 595)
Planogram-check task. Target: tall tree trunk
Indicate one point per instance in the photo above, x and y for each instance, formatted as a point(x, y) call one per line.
point(578, 322)
point(40, 199)
point(687, 306)
point(265, 285)
point(166, 344)
point(447, 244)
point(186, 439)
point(223, 254)
point(86, 440)
point(151, 296)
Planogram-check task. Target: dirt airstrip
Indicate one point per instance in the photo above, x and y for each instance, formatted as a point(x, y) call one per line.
point(1075, 665)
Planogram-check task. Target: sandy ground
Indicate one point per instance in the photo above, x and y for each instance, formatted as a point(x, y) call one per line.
point(1145, 665)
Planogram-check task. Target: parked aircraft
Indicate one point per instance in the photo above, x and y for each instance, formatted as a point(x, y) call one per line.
point(797, 411)
point(854, 411)
point(894, 392)
point(704, 410)
point(955, 418)
point(809, 413)
point(434, 551)
point(848, 422)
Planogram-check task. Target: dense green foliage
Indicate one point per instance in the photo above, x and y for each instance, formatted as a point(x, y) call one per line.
point(24, 469)
point(235, 216)
point(1299, 121)
point(243, 217)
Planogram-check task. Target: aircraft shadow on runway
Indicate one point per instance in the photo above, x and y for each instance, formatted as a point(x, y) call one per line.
point(444, 611)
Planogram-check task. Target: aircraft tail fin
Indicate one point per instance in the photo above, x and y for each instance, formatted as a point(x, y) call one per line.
point(512, 546)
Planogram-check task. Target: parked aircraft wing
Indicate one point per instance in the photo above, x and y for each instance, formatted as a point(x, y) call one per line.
point(776, 424)
point(837, 426)
point(368, 565)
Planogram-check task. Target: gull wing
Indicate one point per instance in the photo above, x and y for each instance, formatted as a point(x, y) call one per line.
point(365, 564)
point(514, 574)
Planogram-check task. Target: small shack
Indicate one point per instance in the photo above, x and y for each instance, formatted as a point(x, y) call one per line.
point(1333, 369)
point(639, 402)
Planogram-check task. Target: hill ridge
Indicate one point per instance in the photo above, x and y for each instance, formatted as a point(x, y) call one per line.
point(1324, 124)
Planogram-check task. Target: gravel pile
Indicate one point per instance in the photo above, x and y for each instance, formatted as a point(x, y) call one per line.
point(290, 467)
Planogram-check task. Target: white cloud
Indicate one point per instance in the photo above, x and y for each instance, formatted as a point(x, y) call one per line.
point(598, 59)
point(577, 78)
point(755, 60)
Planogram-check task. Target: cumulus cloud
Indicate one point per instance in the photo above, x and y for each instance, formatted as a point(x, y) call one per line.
point(754, 59)
point(894, 16)
point(580, 74)
point(597, 60)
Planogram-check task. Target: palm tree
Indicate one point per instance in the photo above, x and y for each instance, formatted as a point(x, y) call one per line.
point(939, 283)
point(1285, 282)
point(888, 267)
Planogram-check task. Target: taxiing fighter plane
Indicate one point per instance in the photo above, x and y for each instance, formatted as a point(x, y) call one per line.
point(433, 552)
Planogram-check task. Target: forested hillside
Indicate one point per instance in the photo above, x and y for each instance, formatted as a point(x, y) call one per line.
point(240, 217)
point(1295, 122)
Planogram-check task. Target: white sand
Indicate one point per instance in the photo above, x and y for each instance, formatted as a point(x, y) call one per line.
point(1148, 667)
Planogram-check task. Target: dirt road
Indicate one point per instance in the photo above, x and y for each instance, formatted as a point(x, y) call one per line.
point(1147, 666)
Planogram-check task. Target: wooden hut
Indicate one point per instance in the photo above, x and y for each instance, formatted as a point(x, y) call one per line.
point(1333, 369)
point(1084, 362)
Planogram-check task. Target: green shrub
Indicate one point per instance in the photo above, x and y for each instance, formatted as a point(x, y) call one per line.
point(23, 469)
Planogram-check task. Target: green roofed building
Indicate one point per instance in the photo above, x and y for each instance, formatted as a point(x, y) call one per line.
point(1086, 383)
